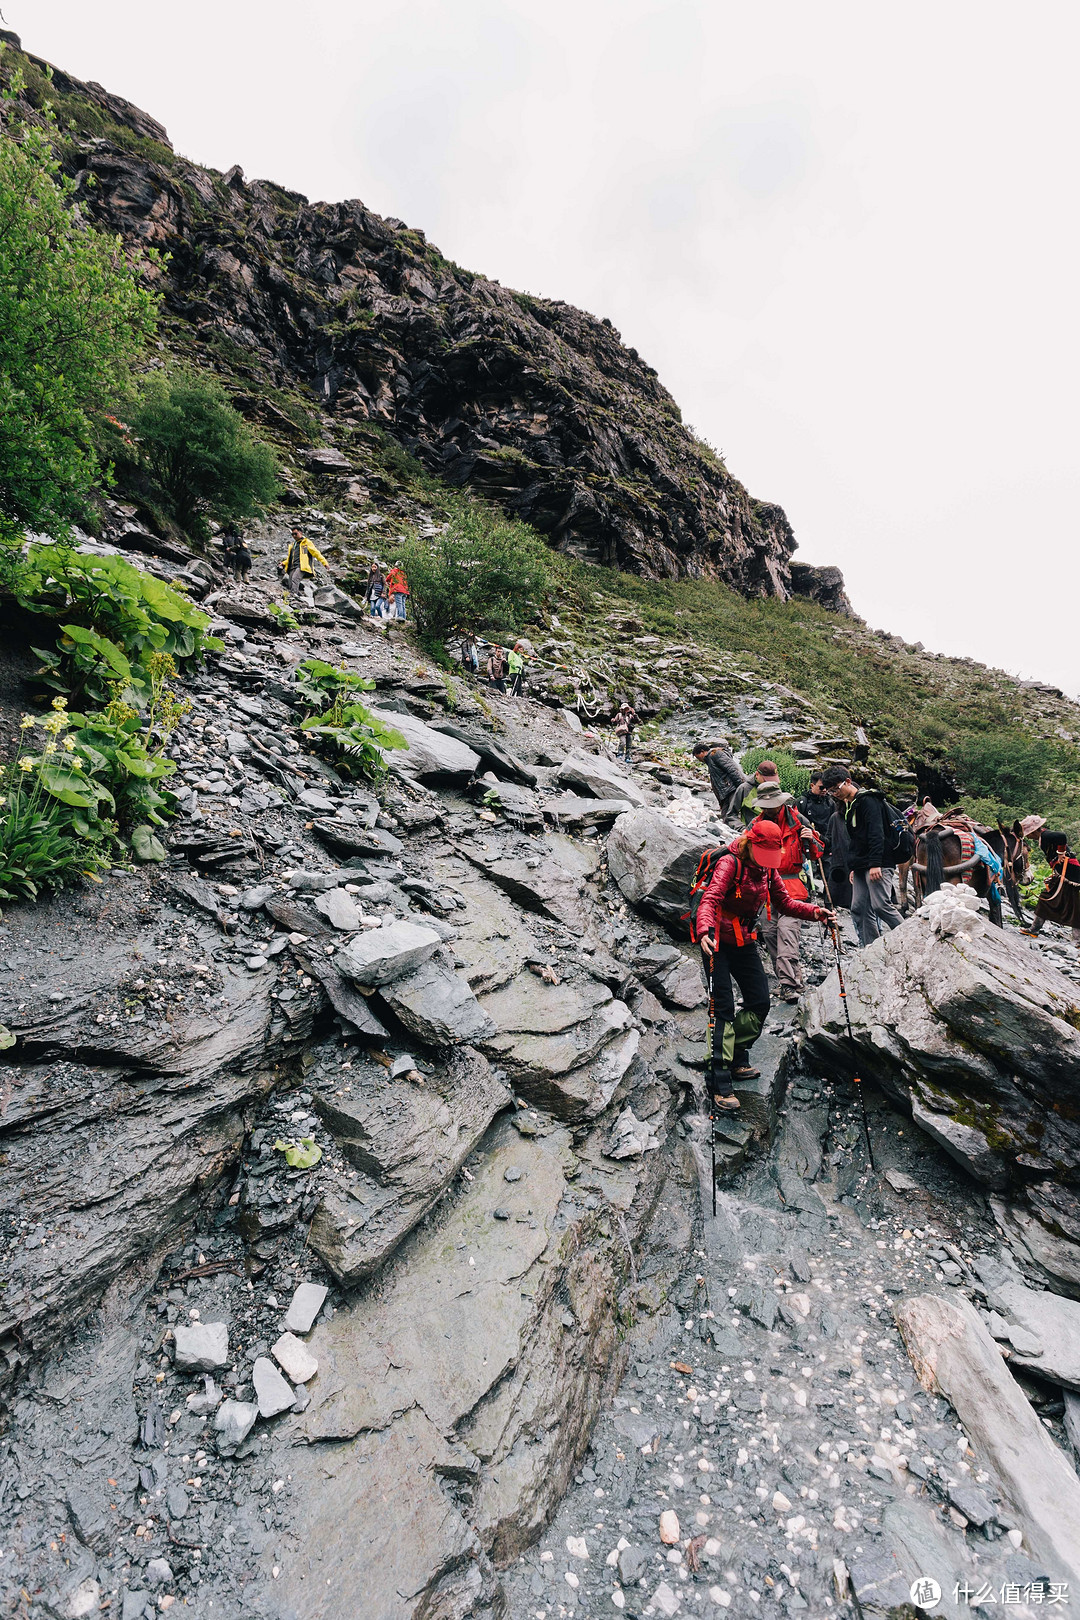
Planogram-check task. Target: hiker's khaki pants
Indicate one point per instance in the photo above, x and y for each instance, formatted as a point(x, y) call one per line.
point(781, 936)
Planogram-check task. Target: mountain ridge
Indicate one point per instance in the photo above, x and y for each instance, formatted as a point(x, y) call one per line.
point(531, 402)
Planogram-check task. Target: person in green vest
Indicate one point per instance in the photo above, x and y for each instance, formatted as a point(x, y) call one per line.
point(515, 664)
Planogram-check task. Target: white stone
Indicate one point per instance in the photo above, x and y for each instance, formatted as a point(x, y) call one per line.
point(781, 1503)
point(665, 1599)
point(200, 1347)
point(85, 1599)
point(669, 1527)
point(296, 1358)
point(305, 1306)
point(273, 1393)
point(576, 1547)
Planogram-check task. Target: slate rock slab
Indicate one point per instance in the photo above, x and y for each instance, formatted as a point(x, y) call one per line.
point(306, 1303)
point(599, 778)
point(436, 1005)
point(381, 955)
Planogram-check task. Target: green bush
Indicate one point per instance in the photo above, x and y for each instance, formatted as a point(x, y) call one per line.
point(115, 618)
point(73, 318)
point(794, 778)
point(482, 573)
point(1014, 770)
point(344, 728)
point(199, 451)
point(55, 813)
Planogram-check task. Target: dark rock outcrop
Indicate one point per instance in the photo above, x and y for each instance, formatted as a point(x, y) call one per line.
point(822, 585)
point(973, 1031)
point(538, 405)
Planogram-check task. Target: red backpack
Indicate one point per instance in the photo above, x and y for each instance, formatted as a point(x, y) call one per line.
point(706, 870)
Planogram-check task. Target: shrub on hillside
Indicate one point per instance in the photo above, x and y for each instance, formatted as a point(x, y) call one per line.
point(199, 451)
point(482, 573)
point(794, 778)
point(73, 318)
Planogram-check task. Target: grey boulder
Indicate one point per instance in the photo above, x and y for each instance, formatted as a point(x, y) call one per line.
point(436, 1005)
point(381, 955)
point(571, 811)
point(200, 1347)
point(428, 753)
point(653, 861)
point(976, 1034)
point(598, 777)
point(339, 909)
point(233, 1422)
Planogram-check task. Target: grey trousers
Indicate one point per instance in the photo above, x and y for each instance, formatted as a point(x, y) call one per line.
point(872, 907)
point(781, 936)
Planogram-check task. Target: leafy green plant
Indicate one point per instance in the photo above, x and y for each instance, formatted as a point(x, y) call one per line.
point(111, 744)
point(794, 778)
point(483, 572)
point(302, 1155)
point(199, 451)
point(135, 610)
point(73, 319)
point(55, 815)
point(121, 622)
point(344, 728)
point(284, 615)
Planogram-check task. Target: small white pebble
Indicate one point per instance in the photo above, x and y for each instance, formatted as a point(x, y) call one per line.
point(571, 1579)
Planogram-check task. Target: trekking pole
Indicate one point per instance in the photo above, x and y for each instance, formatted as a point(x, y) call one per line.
point(825, 883)
point(711, 1079)
point(851, 1037)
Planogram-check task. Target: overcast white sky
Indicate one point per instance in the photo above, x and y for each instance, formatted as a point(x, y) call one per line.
point(845, 235)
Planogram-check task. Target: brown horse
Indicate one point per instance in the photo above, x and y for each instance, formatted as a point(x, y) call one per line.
point(939, 858)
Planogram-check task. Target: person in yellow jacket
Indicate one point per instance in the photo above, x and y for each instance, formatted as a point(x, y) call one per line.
point(298, 564)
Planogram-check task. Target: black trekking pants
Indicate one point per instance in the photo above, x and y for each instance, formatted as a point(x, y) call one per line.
point(731, 1033)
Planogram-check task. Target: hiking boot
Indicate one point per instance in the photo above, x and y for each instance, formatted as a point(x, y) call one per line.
point(743, 1069)
point(727, 1105)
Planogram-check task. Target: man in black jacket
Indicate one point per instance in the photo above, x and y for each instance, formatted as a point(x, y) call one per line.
point(725, 777)
point(817, 807)
point(872, 907)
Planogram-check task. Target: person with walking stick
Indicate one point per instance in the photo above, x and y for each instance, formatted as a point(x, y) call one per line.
point(745, 881)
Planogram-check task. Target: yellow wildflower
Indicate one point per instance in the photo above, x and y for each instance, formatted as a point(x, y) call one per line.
point(69, 742)
point(50, 748)
point(26, 722)
point(26, 763)
point(59, 703)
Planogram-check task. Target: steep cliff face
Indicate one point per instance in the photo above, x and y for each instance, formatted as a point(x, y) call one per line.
point(536, 404)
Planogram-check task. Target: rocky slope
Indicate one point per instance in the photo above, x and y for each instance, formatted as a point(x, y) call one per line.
point(473, 998)
point(536, 404)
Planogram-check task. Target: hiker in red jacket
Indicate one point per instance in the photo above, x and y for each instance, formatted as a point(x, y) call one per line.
point(781, 935)
point(745, 880)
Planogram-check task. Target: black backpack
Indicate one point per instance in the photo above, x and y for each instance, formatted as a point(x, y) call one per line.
point(899, 844)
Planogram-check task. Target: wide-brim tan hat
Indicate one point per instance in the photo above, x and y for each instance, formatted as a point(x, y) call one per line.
point(1032, 824)
point(771, 796)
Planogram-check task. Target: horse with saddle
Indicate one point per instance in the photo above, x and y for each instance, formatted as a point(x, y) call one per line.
point(952, 848)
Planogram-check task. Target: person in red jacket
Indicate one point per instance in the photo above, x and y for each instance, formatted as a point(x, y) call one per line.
point(782, 935)
point(746, 879)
